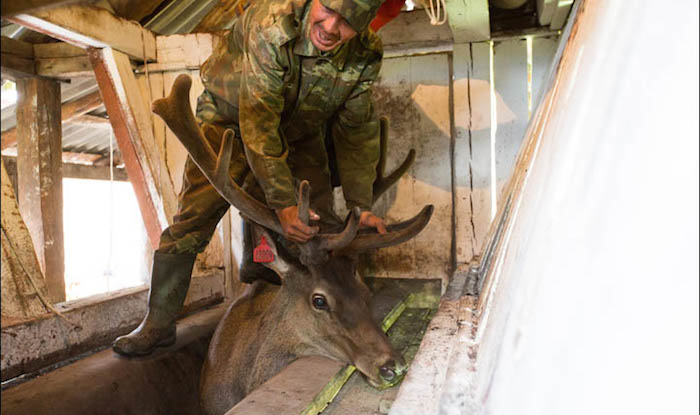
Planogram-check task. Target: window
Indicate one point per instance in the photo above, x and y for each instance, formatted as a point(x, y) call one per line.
point(105, 239)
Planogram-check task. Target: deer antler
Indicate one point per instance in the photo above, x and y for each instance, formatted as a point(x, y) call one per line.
point(176, 111)
point(381, 183)
point(396, 234)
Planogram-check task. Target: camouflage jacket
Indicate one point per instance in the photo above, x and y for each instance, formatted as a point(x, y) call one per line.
point(289, 96)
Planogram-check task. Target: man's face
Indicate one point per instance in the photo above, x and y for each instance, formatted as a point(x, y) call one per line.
point(327, 28)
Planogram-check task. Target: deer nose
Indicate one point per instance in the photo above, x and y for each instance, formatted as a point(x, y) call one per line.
point(388, 371)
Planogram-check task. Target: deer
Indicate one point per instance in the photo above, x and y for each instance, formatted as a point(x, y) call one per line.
point(322, 306)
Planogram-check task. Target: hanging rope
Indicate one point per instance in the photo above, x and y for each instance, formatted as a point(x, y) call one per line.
point(108, 271)
point(436, 11)
point(44, 300)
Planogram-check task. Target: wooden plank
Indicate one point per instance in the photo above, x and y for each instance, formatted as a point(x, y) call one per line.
point(92, 120)
point(16, 47)
point(15, 67)
point(76, 170)
point(26, 6)
point(21, 274)
point(31, 345)
point(413, 30)
point(71, 67)
point(561, 13)
point(545, 11)
point(69, 110)
point(510, 79)
point(81, 106)
point(221, 16)
point(468, 19)
point(89, 26)
point(39, 172)
point(472, 112)
point(414, 94)
point(57, 50)
point(126, 113)
point(190, 49)
point(84, 171)
point(134, 9)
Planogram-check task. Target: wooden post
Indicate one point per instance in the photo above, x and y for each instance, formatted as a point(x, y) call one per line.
point(131, 123)
point(39, 169)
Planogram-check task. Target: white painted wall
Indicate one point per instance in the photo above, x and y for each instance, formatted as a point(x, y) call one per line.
point(593, 306)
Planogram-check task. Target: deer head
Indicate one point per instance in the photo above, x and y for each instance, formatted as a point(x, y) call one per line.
point(321, 289)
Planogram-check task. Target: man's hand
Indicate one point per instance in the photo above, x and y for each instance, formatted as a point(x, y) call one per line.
point(368, 220)
point(293, 228)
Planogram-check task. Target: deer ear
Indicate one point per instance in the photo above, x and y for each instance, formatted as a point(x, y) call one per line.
point(267, 251)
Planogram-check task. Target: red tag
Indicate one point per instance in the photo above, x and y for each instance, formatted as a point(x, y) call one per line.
point(263, 253)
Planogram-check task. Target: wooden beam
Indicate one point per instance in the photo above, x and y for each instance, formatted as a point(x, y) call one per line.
point(560, 14)
point(134, 9)
point(89, 26)
point(131, 124)
point(15, 67)
point(545, 11)
point(64, 68)
point(10, 8)
point(412, 30)
point(73, 171)
point(57, 50)
point(16, 47)
point(21, 274)
point(84, 171)
point(92, 120)
point(221, 16)
point(39, 173)
point(69, 110)
point(469, 20)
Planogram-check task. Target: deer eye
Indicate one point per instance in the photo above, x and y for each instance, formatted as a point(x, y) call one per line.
point(319, 302)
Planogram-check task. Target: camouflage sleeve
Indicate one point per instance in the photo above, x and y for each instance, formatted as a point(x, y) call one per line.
point(355, 134)
point(260, 107)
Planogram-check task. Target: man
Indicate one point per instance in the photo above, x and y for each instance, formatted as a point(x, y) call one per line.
point(293, 81)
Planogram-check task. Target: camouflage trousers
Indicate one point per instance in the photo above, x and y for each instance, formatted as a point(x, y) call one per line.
point(201, 207)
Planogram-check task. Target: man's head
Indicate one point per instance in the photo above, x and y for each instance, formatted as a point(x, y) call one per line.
point(334, 22)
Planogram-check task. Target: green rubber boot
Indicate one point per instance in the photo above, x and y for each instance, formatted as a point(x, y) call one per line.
point(170, 280)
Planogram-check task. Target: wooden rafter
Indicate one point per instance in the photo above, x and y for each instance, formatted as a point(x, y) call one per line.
point(131, 124)
point(9, 8)
point(221, 16)
point(69, 111)
point(88, 26)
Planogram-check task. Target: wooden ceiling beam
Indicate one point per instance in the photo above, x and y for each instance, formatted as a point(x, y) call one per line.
point(221, 16)
point(89, 26)
point(64, 68)
point(130, 119)
point(10, 8)
point(17, 58)
point(69, 110)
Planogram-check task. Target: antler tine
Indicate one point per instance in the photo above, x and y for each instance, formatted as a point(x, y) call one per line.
point(176, 111)
point(382, 183)
point(332, 242)
point(396, 234)
point(303, 202)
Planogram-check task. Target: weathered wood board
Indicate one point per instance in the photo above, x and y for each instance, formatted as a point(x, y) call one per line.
point(414, 93)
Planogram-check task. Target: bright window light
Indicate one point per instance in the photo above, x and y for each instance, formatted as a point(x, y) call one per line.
point(105, 249)
point(8, 94)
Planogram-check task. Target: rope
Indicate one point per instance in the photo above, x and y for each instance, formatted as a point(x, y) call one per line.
point(111, 207)
point(436, 11)
point(43, 299)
